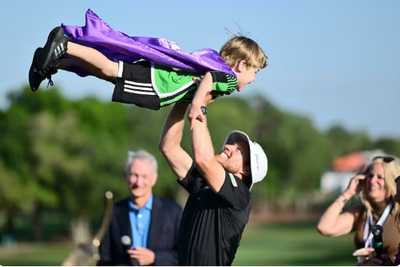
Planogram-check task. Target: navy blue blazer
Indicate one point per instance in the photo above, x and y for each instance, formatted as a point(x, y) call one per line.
point(163, 233)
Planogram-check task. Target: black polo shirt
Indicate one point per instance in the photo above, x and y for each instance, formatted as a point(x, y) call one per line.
point(212, 223)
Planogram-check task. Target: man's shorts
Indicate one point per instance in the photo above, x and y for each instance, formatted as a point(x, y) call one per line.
point(134, 85)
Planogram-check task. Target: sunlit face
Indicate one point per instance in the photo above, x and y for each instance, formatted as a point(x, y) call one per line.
point(375, 186)
point(141, 178)
point(245, 75)
point(235, 158)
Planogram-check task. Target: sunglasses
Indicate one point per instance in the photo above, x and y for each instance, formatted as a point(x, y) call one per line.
point(386, 159)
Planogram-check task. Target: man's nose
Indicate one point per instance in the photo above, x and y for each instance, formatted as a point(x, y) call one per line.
point(140, 181)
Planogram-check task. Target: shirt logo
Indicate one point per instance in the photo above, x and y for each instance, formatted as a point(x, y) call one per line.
point(258, 165)
point(233, 180)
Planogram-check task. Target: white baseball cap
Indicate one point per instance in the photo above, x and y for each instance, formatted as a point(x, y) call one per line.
point(258, 159)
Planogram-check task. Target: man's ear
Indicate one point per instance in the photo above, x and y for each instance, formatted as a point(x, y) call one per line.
point(154, 179)
point(247, 171)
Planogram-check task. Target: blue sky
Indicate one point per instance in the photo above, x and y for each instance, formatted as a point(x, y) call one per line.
point(337, 62)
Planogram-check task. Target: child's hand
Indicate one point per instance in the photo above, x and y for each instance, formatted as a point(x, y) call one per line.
point(195, 115)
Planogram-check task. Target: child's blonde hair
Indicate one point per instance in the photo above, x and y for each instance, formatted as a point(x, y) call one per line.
point(240, 48)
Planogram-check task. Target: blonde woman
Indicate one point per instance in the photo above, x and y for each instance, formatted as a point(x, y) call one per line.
point(376, 186)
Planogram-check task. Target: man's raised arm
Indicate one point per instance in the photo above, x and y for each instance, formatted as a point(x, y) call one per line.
point(170, 141)
point(204, 157)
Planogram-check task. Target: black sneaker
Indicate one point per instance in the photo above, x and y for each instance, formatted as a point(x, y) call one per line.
point(46, 58)
point(54, 49)
point(35, 76)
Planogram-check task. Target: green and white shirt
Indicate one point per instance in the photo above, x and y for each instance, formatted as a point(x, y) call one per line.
point(178, 85)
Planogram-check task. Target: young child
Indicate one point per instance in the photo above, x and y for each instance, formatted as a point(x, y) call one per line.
point(148, 72)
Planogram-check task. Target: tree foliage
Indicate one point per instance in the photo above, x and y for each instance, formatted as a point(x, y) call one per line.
point(61, 154)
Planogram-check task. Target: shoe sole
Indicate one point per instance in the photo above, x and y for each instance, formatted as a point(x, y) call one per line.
point(55, 35)
point(35, 79)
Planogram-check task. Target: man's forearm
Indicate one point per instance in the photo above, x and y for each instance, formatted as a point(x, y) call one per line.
point(204, 157)
point(171, 134)
point(170, 141)
point(202, 146)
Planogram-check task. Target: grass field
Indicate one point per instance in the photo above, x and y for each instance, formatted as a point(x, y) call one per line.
point(299, 244)
point(284, 244)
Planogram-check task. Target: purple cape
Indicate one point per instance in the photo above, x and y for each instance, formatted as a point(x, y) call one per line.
point(116, 46)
